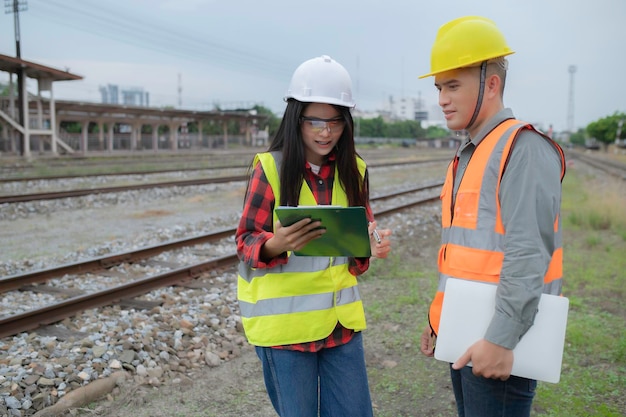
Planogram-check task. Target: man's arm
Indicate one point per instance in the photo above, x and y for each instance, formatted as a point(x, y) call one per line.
point(530, 196)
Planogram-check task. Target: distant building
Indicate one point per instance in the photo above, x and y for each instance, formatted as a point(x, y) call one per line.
point(110, 94)
point(404, 108)
point(135, 96)
point(132, 96)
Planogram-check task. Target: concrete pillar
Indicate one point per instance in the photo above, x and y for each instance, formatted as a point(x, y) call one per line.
point(248, 135)
point(39, 126)
point(84, 136)
point(200, 135)
point(14, 136)
point(24, 110)
point(53, 124)
point(12, 111)
point(135, 134)
point(174, 135)
point(110, 128)
point(57, 129)
point(155, 137)
point(4, 134)
point(225, 130)
point(100, 135)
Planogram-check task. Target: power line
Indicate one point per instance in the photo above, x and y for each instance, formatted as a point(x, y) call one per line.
point(127, 28)
point(95, 19)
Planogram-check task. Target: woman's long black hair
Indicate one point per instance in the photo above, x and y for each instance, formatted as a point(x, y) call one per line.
point(288, 139)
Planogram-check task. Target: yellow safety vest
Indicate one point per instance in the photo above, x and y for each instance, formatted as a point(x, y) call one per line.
point(472, 240)
point(300, 301)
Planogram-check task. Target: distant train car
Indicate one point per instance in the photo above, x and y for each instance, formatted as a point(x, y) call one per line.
point(592, 143)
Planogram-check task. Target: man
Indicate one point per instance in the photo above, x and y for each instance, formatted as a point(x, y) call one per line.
point(500, 214)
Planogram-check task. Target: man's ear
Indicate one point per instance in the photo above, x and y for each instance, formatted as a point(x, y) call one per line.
point(493, 85)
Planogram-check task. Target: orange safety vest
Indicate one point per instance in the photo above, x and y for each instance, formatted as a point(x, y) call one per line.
point(472, 229)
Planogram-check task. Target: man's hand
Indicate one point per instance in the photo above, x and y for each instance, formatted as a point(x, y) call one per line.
point(427, 345)
point(488, 360)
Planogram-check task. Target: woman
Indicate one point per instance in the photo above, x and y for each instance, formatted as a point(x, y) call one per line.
point(304, 314)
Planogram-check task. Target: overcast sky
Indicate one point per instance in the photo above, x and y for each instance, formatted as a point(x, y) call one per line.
point(237, 52)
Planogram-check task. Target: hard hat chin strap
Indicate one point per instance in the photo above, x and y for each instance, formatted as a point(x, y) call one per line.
point(483, 76)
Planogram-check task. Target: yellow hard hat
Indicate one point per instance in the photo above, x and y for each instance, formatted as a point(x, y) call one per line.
point(464, 42)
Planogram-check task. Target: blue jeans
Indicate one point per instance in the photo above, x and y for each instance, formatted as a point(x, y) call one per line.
point(484, 397)
point(328, 383)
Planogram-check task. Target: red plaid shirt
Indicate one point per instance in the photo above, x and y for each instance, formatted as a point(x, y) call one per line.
point(256, 226)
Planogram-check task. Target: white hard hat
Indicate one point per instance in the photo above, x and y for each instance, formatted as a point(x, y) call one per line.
point(321, 80)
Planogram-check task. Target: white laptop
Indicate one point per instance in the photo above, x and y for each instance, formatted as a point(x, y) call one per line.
point(468, 307)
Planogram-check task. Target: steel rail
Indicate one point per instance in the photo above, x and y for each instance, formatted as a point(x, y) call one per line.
point(120, 174)
point(35, 318)
point(53, 195)
point(609, 167)
point(21, 198)
point(32, 319)
point(14, 282)
point(171, 170)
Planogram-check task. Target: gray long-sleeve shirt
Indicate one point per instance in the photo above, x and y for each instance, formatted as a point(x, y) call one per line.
point(530, 198)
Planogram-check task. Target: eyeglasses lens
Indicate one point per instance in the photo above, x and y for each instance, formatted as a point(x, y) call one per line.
point(318, 125)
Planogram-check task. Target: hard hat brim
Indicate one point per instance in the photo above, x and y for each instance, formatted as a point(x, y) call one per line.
point(465, 65)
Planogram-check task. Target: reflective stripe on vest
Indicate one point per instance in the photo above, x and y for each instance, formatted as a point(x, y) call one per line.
point(302, 300)
point(472, 229)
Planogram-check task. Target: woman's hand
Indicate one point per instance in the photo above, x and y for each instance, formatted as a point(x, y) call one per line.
point(291, 238)
point(379, 249)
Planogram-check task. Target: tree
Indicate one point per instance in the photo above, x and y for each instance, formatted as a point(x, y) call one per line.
point(578, 138)
point(605, 129)
point(436, 132)
point(373, 128)
point(272, 120)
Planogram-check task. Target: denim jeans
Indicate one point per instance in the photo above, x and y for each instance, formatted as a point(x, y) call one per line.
point(484, 397)
point(328, 383)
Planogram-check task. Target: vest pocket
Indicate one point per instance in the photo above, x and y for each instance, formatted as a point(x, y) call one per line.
point(466, 209)
point(474, 263)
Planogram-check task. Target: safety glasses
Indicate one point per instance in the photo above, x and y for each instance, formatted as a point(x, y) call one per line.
point(318, 125)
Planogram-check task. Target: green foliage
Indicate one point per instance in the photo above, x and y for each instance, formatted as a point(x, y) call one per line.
point(71, 127)
point(372, 128)
point(378, 128)
point(578, 138)
point(435, 132)
point(594, 363)
point(605, 129)
point(272, 121)
point(4, 89)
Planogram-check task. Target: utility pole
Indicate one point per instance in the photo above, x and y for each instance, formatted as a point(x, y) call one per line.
point(15, 7)
point(570, 103)
point(180, 91)
point(618, 133)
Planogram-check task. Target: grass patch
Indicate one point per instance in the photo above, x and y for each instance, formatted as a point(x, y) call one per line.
point(397, 293)
point(594, 367)
point(592, 205)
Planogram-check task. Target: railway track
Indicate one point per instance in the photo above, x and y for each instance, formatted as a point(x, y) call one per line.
point(34, 318)
point(605, 165)
point(117, 174)
point(53, 195)
point(22, 198)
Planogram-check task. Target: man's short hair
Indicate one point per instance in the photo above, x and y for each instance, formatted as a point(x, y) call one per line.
point(501, 62)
